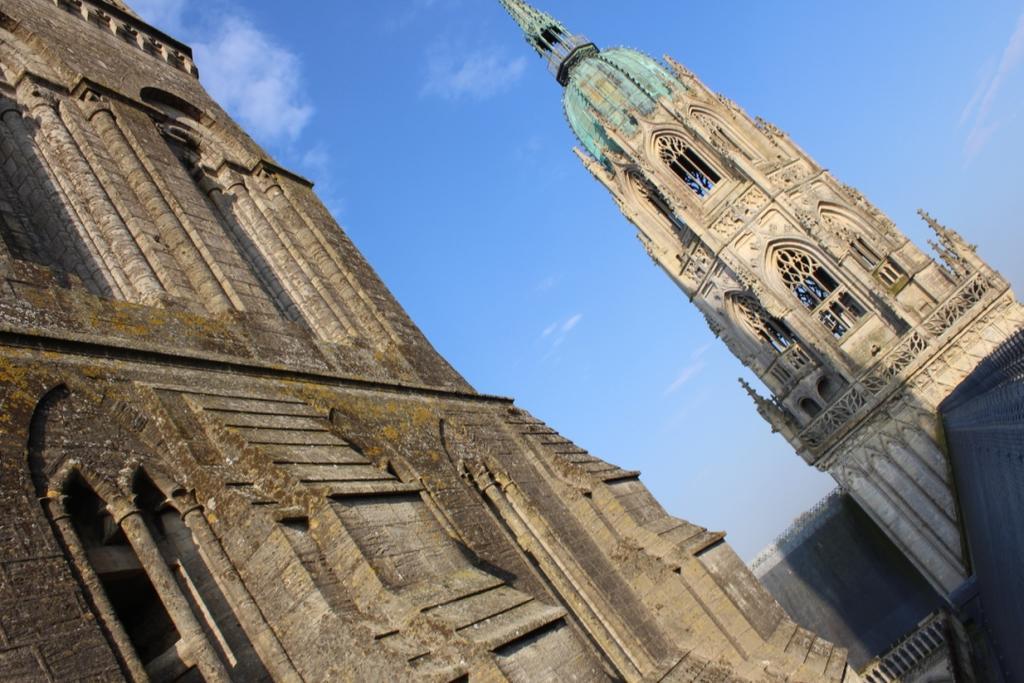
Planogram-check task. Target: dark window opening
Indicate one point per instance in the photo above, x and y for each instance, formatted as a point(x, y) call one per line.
point(551, 35)
point(890, 274)
point(705, 169)
point(135, 601)
point(689, 166)
point(656, 200)
point(690, 174)
point(818, 291)
point(811, 407)
point(865, 254)
point(172, 104)
point(765, 328)
point(829, 388)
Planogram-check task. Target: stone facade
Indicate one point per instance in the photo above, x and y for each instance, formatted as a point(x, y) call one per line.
point(226, 453)
point(858, 334)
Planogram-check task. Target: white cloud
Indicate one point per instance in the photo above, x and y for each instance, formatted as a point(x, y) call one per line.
point(696, 366)
point(558, 331)
point(256, 80)
point(981, 106)
point(479, 75)
point(166, 15)
point(688, 373)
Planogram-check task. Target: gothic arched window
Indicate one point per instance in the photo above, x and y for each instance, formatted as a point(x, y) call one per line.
point(722, 134)
point(766, 329)
point(864, 251)
point(658, 203)
point(687, 165)
point(818, 290)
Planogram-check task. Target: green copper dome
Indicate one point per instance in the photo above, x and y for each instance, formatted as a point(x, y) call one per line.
point(612, 87)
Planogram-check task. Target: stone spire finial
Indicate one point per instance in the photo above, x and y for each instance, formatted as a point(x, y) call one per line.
point(770, 410)
point(550, 38)
point(945, 234)
point(952, 248)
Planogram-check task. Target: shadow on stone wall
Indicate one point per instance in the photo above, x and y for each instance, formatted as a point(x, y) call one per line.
point(984, 421)
point(839, 575)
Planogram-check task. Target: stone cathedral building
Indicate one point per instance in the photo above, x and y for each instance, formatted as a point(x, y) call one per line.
point(227, 454)
point(857, 332)
point(859, 335)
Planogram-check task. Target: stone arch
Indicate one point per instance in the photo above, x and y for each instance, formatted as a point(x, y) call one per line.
point(645, 195)
point(864, 248)
point(810, 407)
point(677, 153)
point(797, 269)
point(173, 106)
point(41, 471)
point(749, 315)
point(130, 533)
point(846, 222)
point(829, 387)
point(727, 133)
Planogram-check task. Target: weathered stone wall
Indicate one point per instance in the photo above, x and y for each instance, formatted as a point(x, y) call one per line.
point(984, 421)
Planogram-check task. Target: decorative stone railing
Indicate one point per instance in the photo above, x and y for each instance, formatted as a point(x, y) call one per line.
point(791, 366)
point(133, 31)
point(912, 653)
point(880, 376)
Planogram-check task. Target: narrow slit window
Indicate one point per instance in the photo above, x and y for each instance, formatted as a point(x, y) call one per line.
point(865, 254)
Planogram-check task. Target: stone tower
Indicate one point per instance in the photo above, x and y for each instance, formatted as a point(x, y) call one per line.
point(858, 334)
point(227, 454)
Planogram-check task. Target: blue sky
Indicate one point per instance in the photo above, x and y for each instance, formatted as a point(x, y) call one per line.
point(436, 137)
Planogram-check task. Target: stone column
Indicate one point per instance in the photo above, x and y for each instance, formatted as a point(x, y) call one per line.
point(287, 268)
point(259, 259)
point(338, 291)
point(121, 253)
point(57, 507)
point(248, 612)
point(191, 631)
point(41, 198)
point(278, 243)
point(205, 282)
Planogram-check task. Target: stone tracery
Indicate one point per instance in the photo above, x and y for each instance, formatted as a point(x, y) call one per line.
point(819, 292)
point(687, 164)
